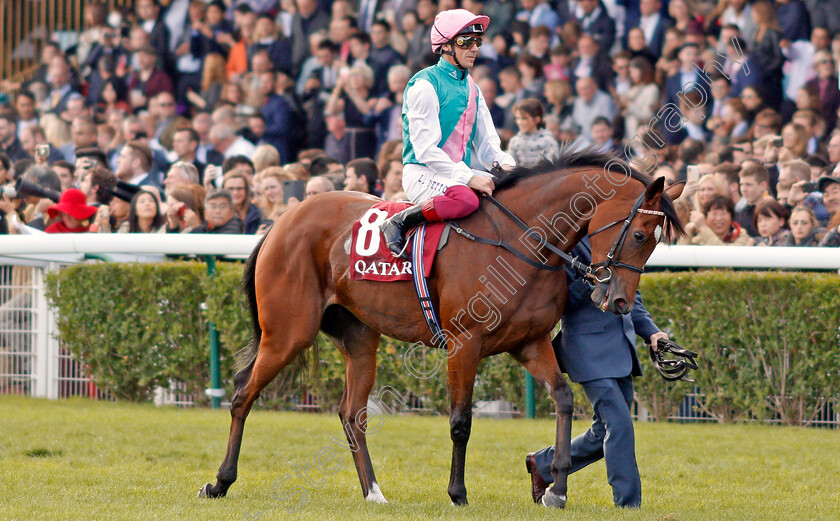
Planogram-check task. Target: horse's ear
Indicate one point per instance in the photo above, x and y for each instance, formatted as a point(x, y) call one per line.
point(675, 190)
point(654, 190)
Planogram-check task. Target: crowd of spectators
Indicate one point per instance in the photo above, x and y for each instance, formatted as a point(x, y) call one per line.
point(195, 116)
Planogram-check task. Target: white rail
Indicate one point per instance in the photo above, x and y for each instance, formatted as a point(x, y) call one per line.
point(40, 247)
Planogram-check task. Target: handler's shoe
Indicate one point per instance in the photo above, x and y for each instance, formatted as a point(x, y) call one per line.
point(395, 228)
point(538, 484)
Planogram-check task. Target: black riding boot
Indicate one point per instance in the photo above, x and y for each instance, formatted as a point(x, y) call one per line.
point(395, 228)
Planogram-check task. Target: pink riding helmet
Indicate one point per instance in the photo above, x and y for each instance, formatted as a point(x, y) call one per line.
point(451, 23)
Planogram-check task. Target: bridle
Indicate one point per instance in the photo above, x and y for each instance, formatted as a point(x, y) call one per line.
point(618, 245)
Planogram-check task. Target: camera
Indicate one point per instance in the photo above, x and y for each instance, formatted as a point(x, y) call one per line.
point(25, 187)
point(42, 150)
point(810, 187)
point(778, 142)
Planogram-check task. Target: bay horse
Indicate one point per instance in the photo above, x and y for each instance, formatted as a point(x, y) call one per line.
point(298, 283)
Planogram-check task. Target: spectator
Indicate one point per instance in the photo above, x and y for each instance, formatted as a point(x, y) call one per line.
point(753, 183)
point(71, 213)
point(825, 84)
point(110, 217)
point(653, 24)
point(65, 172)
point(351, 97)
point(766, 122)
point(61, 89)
point(237, 184)
point(144, 215)
point(264, 156)
point(309, 18)
point(641, 102)
point(134, 163)
point(596, 22)
point(604, 140)
point(830, 188)
point(185, 142)
point(538, 13)
point(382, 57)
point(97, 184)
point(716, 225)
point(213, 79)
point(533, 142)
point(591, 103)
point(83, 134)
point(388, 109)
point(794, 19)
point(270, 202)
point(592, 63)
point(362, 173)
point(804, 228)
point(227, 143)
point(278, 114)
point(392, 181)
point(185, 209)
point(708, 187)
point(767, 52)
point(25, 104)
point(180, 173)
point(318, 185)
point(771, 221)
point(148, 80)
point(9, 142)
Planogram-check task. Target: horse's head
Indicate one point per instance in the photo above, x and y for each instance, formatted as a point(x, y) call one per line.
point(624, 232)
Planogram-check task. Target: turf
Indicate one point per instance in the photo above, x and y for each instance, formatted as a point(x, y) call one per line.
point(93, 460)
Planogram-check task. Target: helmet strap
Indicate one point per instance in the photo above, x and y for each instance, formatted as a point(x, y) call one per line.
point(452, 53)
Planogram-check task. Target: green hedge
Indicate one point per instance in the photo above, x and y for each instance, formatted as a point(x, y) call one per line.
point(768, 341)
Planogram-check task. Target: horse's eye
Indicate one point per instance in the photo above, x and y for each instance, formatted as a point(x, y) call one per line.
point(639, 236)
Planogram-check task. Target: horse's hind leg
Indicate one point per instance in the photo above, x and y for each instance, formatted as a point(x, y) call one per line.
point(358, 344)
point(538, 358)
point(273, 355)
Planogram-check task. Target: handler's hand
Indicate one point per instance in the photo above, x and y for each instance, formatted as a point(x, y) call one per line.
point(484, 185)
point(654, 339)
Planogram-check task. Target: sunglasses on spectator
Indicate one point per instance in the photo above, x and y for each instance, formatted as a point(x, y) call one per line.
point(465, 42)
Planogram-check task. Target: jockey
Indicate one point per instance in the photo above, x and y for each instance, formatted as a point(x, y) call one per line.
point(443, 114)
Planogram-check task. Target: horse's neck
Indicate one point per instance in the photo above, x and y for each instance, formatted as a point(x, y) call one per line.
point(559, 208)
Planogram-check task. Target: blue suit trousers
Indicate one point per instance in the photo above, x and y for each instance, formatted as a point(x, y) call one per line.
point(610, 437)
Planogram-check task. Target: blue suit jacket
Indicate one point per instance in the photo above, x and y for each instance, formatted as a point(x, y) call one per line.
point(596, 344)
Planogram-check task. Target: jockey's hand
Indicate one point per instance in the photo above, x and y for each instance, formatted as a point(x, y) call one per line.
point(654, 339)
point(484, 185)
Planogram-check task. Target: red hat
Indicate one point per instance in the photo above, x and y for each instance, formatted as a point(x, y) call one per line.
point(73, 202)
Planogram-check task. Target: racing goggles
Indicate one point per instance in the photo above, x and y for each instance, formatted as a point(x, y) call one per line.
point(466, 42)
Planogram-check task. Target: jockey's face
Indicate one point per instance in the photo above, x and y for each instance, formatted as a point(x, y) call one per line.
point(466, 57)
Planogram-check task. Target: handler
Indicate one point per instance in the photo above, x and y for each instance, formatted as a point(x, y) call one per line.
point(443, 114)
point(597, 350)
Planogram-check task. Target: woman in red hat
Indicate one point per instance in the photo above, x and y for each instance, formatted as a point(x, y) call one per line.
point(72, 212)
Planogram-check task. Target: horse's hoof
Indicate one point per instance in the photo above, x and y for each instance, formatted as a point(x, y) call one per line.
point(552, 500)
point(205, 492)
point(375, 495)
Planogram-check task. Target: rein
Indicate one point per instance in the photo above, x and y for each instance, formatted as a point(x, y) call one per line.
point(591, 269)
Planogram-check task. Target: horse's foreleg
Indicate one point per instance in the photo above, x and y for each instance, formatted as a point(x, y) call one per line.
point(462, 369)
point(249, 382)
point(361, 373)
point(538, 358)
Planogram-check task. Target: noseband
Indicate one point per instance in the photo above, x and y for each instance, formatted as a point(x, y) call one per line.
point(618, 245)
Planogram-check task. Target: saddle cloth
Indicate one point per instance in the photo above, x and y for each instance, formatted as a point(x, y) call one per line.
point(370, 258)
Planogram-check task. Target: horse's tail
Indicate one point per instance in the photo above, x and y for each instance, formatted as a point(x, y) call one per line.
point(248, 353)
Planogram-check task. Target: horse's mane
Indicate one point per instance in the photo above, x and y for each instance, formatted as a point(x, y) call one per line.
point(571, 157)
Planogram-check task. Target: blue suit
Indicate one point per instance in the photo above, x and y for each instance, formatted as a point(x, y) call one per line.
point(597, 350)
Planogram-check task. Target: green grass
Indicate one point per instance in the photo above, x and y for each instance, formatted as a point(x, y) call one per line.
point(92, 460)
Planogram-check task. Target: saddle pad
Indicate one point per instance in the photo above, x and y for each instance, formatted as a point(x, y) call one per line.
point(370, 258)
